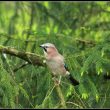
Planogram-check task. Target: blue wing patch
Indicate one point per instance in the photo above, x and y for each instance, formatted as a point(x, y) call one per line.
point(66, 67)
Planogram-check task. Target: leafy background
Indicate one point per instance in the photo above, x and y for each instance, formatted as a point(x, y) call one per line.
point(80, 31)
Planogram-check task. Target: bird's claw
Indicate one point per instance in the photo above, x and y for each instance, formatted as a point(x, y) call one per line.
point(56, 81)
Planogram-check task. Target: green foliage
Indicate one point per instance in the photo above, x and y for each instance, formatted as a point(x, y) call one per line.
point(79, 30)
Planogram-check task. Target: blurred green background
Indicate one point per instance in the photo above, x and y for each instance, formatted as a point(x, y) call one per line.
point(80, 31)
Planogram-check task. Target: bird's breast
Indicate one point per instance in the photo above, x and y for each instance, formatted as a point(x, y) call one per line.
point(55, 67)
point(53, 64)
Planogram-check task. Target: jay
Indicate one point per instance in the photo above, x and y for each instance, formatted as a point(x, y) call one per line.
point(55, 61)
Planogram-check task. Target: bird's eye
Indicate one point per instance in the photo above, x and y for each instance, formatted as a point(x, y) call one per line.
point(46, 46)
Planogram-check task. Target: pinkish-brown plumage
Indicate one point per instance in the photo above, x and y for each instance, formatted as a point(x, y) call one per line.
point(55, 61)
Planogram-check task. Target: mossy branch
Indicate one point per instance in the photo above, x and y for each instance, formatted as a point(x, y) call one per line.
point(33, 59)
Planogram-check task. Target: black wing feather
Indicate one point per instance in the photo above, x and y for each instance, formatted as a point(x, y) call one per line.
point(73, 80)
point(66, 67)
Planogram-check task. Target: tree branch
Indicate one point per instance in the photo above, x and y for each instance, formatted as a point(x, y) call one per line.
point(31, 58)
point(59, 92)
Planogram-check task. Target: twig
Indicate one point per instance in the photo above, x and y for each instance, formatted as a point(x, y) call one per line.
point(75, 104)
point(21, 66)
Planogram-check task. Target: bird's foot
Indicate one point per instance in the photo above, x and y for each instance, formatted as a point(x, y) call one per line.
point(56, 81)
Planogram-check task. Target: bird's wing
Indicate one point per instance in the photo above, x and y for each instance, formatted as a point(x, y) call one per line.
point(66, 67)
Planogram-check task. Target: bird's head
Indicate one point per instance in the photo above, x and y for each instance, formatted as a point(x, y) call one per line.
point(49, 49)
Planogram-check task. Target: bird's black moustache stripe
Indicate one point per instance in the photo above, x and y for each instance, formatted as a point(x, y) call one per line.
point(45, 49)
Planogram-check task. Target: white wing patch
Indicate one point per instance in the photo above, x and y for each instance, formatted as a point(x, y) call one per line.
point(67, 72)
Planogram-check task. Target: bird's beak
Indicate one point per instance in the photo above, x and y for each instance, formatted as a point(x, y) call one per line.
point(41, 46)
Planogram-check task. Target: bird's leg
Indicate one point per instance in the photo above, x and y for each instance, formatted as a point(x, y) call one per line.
point(59, 79)
point(54, 78)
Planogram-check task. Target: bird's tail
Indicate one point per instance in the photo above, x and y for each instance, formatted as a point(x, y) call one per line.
point(73, 81)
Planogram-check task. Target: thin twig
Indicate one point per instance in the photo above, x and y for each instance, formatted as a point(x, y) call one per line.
point(21, 66)
point(75, 104)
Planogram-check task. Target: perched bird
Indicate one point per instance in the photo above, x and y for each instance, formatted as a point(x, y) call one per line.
point(55, 61)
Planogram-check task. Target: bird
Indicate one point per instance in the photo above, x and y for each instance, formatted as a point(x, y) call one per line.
point(56, 63)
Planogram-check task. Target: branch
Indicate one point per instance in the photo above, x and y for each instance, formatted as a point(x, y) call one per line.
point(59, 92)
point(31, 58)
point(86, 43)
